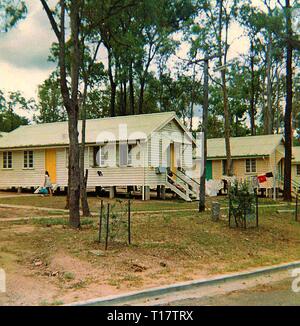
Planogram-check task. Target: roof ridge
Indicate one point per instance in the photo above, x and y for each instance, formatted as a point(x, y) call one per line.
point(247, 136)
point(105, 118)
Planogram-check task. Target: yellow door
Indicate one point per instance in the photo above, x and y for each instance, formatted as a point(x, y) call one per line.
point(172, 158)
point(50, 163)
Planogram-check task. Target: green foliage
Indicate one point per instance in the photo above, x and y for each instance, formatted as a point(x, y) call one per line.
point(11, 11)
point(9, 118)
point(118, 221)
point(50, 104)
point(242, 201)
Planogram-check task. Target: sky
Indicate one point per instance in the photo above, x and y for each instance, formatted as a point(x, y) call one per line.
point(25, 49)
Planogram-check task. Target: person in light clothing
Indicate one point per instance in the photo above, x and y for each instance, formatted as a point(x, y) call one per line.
point(47, 183)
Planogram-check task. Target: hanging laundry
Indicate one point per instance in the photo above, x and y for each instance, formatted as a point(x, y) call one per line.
point(262, 178)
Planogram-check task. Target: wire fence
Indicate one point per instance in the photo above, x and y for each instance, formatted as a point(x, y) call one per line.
point(115, 222)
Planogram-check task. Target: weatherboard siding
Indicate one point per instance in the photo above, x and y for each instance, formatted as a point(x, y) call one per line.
point(111, 176)
point(20, 177)
point(263, 165)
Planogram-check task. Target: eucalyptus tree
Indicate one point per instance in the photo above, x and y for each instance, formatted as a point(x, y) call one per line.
point(252, 19)
point(11, 11)
point(214, 22)
point(289, 103)
point(69, 91)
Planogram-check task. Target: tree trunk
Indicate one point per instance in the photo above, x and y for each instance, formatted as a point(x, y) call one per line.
point(121, 100)
point(278, 111)
point(74, 171)
point(269, 125)
point(131, 89)
point(73, 112)
point(124, 97)
point(141, 99)
point(83, 179)
point(264, 106)
point(224, 89)
point(113, 86)
point(83, 194)
point(192, 99)
point(204, 130)
point(288, 110)
point(227, 125)
point(70, 98)
point(252, 98)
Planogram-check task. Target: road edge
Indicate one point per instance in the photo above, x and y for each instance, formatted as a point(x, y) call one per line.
point(158, 291)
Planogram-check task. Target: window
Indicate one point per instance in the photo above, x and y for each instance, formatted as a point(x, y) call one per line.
point(126, 154)
point(28, 159)
point(7, 160)
point(224, 167)
point(298, 169)
point(129, 157)
point(251, 165)
point(99, 156)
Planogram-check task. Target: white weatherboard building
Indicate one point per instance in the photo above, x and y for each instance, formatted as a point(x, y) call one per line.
point(139, 150)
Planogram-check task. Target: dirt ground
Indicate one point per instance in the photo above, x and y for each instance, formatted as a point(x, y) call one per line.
point(48, 263)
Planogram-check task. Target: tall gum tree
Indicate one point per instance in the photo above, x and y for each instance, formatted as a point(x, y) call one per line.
point(70, 93)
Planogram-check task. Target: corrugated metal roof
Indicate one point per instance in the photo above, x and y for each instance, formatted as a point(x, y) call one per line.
point(97, 130)
point(244, 146)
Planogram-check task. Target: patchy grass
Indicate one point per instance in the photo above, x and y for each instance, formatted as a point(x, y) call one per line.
point(59, 221)
point(7, 213)
point(58, 202)
point(167, 247)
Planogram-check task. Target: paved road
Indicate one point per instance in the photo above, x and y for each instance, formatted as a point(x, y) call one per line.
point(274, 288)
point(278, 294)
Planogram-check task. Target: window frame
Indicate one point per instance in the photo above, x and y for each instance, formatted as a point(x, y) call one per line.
point(298, 171)
point(252, 165)
point(102, 161)
point(5, 160)
point(224, 167)
point(26, 154)
point(130, 147)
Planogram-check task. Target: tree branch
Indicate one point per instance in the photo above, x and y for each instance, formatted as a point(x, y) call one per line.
point(51, 19)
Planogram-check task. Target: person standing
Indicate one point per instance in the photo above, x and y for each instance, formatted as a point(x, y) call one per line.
point(47, 183)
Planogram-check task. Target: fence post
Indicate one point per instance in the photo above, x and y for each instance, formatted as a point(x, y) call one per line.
point(129, 222)
point(229, 210)
point(100, 220)
point(256, 204)
point(107, 227)
point(296, 209)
